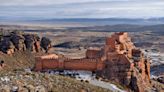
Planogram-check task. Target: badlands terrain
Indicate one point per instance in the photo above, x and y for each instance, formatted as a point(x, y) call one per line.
point(73, 43)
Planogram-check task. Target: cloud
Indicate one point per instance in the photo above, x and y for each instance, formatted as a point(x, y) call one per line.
point(54, 2)
point(43, 2)
point(82, 8)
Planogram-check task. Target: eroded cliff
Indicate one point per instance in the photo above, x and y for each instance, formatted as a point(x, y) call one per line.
point(19, 41)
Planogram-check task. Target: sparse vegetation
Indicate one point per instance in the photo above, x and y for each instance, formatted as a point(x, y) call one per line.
point(19, 60)
point(49, 83)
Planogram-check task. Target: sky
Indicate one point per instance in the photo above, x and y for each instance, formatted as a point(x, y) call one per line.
point(48, 9)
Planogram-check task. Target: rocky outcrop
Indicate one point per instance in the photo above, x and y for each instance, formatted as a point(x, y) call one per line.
point(17, 41)
point(32, 42)
point(125, 63)
point(6, 45)
point(46, 44)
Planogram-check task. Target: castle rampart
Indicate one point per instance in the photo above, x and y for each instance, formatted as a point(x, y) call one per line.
point(119, 61)
point(68, 64)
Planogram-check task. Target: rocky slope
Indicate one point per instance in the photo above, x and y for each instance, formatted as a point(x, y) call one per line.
point(15, 76)
point(26, 81)
point(18, 41)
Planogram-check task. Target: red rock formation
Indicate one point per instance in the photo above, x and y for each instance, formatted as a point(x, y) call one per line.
point(125, 63)
point(119, 61)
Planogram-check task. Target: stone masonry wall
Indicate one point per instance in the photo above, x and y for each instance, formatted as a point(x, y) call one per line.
point(69, 64)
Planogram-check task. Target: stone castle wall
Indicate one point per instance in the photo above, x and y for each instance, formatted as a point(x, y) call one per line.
point(68, 64)
point(118, 61)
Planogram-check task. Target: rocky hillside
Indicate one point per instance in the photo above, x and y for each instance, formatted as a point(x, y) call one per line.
point(26, 81)
point(18, 60)
point(11, 42)
point(16, 76)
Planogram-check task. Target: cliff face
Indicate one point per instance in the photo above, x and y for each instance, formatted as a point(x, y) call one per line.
point(16, 41)
point(125, 63)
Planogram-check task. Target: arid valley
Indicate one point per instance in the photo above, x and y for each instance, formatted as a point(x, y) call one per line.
point(73, 42)
point(81, 45)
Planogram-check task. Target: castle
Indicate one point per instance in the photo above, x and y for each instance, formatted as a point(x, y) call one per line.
point(119, 60)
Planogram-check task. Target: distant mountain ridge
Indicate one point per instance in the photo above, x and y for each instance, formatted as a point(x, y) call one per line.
point(106, 21)
point(87, 21)
point(159, 28)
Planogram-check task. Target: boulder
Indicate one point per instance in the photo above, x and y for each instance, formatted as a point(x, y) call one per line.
point(45, 44)
point(160, 79)
point(7, 46)
point(32, 42)
point(18, 41)
point(29, 42)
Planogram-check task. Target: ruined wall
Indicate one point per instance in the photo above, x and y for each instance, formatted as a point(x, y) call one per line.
point(68, 64)
point(81, 64)
point(93, 53)
point(119, 61)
